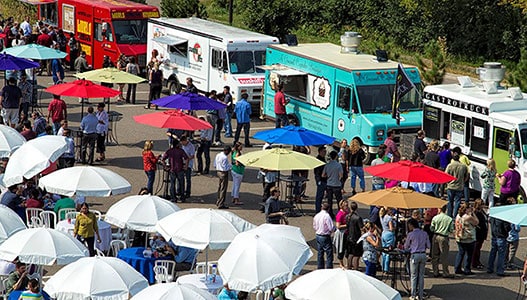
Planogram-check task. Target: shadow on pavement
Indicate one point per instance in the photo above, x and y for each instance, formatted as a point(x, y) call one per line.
point(463, 290)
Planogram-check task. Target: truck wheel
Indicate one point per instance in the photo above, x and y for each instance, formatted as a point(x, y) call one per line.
point(369, 156)
point(174, 87)
point(522, 198)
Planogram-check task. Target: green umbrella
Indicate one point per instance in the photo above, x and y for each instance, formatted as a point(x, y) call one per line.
point(110, 75)
point(279, 159)
point(34, 51)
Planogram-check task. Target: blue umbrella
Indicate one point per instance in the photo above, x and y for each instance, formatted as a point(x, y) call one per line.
point(35, 51)
point(294, 135)
point(10, 62)
point(189, 101)
point(515, 214)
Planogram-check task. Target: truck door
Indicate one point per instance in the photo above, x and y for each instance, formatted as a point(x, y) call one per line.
point(103, 43)
point(500, 150)
point(345, 121)
point(219, 68)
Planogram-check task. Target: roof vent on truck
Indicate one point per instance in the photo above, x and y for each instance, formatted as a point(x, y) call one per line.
point(491, 72)
point(515, 93)
point(350, 42)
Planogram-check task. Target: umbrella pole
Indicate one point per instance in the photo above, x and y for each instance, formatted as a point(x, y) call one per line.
point(206, 261)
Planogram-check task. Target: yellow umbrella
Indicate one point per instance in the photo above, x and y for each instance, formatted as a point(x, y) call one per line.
point(279, 159)
point(110, 75)
point(398, 198)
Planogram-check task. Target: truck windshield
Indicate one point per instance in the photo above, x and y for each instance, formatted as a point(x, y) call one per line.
point(378, 99)
point(523, 141)
point(259, 59)
point(241, 62)
point(130, 31)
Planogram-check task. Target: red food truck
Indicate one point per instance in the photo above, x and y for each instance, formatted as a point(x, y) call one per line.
point(103, 27)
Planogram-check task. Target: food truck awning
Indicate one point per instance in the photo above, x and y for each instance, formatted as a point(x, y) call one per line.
point(169, 40)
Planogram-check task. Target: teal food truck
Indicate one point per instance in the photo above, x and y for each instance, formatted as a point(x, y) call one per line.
point(339, 92)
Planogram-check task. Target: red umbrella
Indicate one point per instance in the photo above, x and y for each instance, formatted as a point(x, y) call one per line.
point(83, 89)
point(172, 119)
point(409, 171)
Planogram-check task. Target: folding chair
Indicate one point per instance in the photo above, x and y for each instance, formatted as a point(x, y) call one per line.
point(116, 246)
point(161, 274)
point(30, 213)
point(61, 214)
point(49, 219)
point(170, 266)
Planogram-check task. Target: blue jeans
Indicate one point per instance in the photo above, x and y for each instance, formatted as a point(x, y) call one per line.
point(499, 247)
point(454, 199)
point(387, 239)
point(228, 125)
point(417, 273)
point(376, 187)
point(464, 248)
point(177, 191)
point(188, 183)
point(321, 188)
point(357, 171)
point(324, 247)
point(371, 268)
point(151, 175)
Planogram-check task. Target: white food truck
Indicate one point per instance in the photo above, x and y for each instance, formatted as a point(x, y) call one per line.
point(212, 54)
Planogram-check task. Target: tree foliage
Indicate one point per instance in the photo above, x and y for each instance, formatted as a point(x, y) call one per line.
point(516, 76)
point(183, 9)
point(17, 9)
point(433, 70)
point(273, 17)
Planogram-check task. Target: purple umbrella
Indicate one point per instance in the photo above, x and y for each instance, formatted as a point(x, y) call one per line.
point(189, 101)
point(10, 62)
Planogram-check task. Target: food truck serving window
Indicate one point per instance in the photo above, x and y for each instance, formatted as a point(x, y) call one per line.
point(295, 83)
point(431, 122)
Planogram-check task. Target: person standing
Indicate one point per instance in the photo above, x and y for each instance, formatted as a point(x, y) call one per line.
point(416, 243)
point(442, 225)
point(392, 152)
point(10, 101)
point(341, 233)
point(223, 166)
point(89, 135)
point(67, 160)
point(323, 225)
point(190, 150)
point(149, 165)
point(273, 212)
point(86, 228)
point(431, 159)
point(354, 226)
point(279, 106)
point(177, 159)
point(121, 65)
point(57, 112)
point(370, 242)
point(205, 141)
point(499, 232)
point(57, 71)
point(243, 117)
point(455, 187)
point(343, 161)
point(39, 123)
point(74, 51)
point(488, 176)
point(388, 235)
point(319, 179)
point(355, 158)
point(229, 111)
point(237, 173)
point(102, 131)
point(419, 146)
point(465, 225)
point(510, 182)
point(156, 84)
point(482, 231)
point(26, 88)
point(333, 172)
point(377, 183)
point(133, 68)
point(221, 114)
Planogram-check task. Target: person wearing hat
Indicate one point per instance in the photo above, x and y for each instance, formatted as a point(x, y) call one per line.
point(273, 213)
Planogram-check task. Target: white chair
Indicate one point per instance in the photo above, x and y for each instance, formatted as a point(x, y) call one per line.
point(116, 246)
point(49, 219)
point(170, 266)
point(261, 295)
point(202, 269)
point(97, 213)
point(161, 274)
point(99, 252)
point(121, 234)
point(72, 215)
point(30, 213)
point(3, 286)
point(36, 222)
point(63, 212)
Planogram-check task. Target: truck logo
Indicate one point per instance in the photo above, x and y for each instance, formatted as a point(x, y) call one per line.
point(252, 80)
point(321, 91)
point(196, 52)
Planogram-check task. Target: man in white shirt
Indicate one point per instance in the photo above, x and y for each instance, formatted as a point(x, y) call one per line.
point(190, 150)
point(223, 166)
point(323, 225)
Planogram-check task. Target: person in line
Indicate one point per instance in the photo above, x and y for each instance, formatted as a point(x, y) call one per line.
point(370, 242)
point(465, 161)
point(149, 165)
point(323, 226)
point(243, 117)
point(32, 292)
point(102, 131)
point(237, 171)
point(432, 160)
point(482, 231)
point(280, 103)
point(273, 212)
point(86, 228)
point(133, 68)
point(190, 150)
point(445, 156)
point(343, 161)
point(465, 224)
point(57, 112)
point(205, 141)
point(513, 240)
point(488, 176)
point(417, 243)
point(229, 111)
point(499, 232)
point(319, 179)
point(341, 233)
point(333, 172)
point(156, 85)
point(388, 235)
point(17, 280)
point(354, 225)
point(177, 159)
point(356, 157)
point(419, 146)
point(455, 187)
point(510, 182)
point(89, 135)
point(223, 166)
point(392, 152)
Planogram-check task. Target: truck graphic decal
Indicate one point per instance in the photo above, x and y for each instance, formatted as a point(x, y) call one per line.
point(196, 52)
point(321, 92)
point(252, 80)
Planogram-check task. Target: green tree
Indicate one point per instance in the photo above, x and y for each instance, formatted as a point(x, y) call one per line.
point(183, 9)
point(516, 76)
point(17, 9)
point(433, 70)
point(272, 17)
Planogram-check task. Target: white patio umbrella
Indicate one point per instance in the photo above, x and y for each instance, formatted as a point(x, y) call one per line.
point(264, 257)
point(140, 212)
point(34, 157)
point(200, 228)
point(95, 278)
point(10, 140)
point(171, 291)
point(10, 223)
point(42, 246)
point(339, 284)
point(85, 181)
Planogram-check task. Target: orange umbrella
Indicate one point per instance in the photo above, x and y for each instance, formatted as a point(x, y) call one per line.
point(398, 198)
